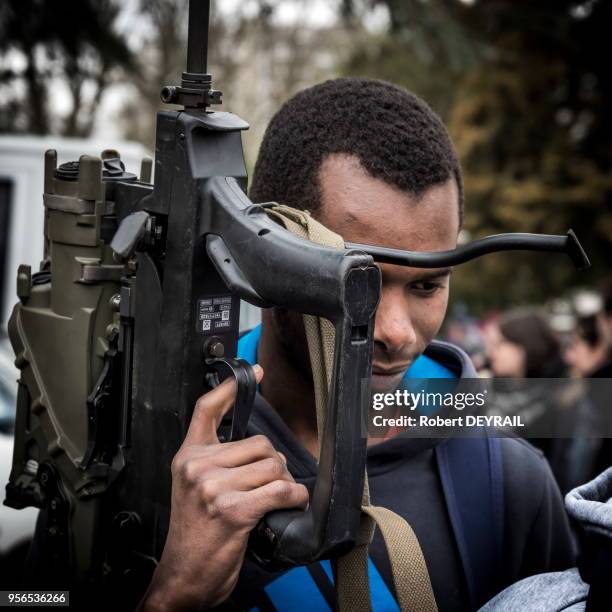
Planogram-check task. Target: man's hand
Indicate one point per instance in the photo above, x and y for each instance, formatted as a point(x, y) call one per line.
point(219, 493)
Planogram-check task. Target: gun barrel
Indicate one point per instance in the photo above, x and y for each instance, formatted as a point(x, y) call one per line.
point(197, 36)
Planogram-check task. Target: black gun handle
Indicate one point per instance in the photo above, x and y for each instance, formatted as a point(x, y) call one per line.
point(329, 527)
point(341, 286)
point(234, 424)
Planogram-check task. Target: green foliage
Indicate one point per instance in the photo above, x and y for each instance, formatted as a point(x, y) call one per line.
point(69, 41)
point(423, 49)
point(525, 89)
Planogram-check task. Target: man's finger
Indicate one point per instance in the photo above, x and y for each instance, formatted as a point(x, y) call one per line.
point(247, 477)
point(276, 495)
point(210, 409)
point(243, 452)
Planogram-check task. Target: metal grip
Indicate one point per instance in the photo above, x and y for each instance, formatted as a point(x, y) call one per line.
point(330, 525)
point(234, 424)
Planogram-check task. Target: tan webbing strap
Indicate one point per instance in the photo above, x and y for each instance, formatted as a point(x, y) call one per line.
point(352, 584)
point(408, 567)
point(319, 331)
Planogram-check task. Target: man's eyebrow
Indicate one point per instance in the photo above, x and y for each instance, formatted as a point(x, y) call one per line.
point(429, 275)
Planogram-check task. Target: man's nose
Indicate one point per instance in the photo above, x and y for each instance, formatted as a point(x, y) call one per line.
point(393, 325)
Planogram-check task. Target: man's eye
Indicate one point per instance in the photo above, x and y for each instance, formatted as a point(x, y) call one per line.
point(426, 287)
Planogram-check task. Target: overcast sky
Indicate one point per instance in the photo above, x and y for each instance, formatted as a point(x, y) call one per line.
point(311, 13)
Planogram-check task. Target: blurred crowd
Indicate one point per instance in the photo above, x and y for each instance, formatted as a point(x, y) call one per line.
point(524, 349)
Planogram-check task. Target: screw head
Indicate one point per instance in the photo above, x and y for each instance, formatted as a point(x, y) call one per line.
point(217, 349)
point(111, 329)
point(213, 348)
point(115, 302)
point(168, 94)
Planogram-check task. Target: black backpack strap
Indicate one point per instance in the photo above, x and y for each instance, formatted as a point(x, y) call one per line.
point(471, 473)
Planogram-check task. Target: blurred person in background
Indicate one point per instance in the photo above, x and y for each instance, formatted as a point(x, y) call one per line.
point(606, 294)
point(466, 331)
point(589, 352)
point(524, 351)
point(521, 344)
point(590, 356)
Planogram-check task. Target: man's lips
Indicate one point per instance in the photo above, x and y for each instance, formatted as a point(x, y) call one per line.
point(390, 372)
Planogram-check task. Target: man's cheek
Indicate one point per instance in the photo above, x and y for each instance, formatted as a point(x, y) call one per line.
point(428, 315)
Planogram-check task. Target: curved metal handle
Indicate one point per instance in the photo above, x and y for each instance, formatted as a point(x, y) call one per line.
point(245, 245)
point(568, 244)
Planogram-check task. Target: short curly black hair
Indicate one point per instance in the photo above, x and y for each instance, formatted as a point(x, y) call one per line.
point(395, 134)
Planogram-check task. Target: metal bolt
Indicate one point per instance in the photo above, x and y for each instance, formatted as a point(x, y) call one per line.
point(168, 94)
point(216, 349)
point(213, 348)
point(115, 302)
point(31, 467)
point(111, 329)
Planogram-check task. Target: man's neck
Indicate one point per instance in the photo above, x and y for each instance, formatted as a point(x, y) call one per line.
point(288, 390)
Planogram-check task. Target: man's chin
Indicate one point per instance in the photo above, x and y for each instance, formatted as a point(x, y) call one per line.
point(385, 383)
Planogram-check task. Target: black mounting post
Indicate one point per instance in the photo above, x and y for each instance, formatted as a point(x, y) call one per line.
point(196, 86)
point(197, 36)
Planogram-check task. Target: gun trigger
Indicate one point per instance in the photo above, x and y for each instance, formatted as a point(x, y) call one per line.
point(234, 424)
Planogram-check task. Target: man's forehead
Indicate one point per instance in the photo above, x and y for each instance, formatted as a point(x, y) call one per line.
point(365, 209)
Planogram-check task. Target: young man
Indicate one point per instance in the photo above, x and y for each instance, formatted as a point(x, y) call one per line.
point(373, 163)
